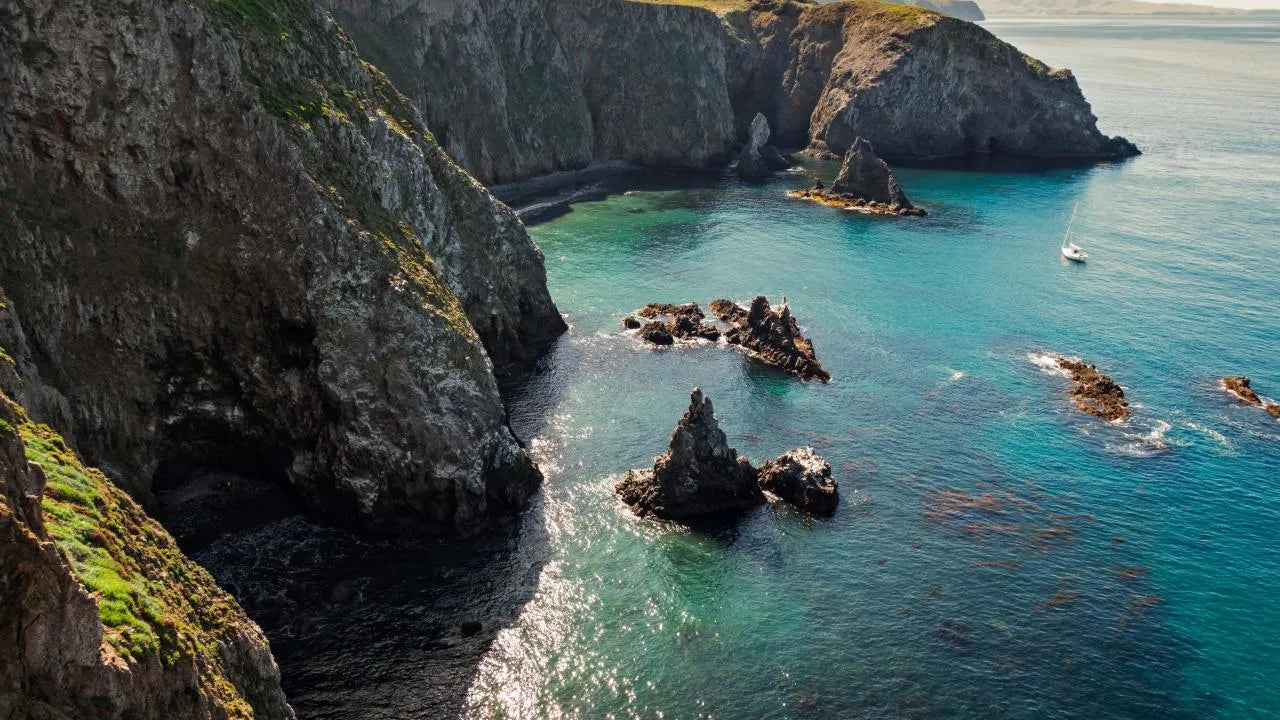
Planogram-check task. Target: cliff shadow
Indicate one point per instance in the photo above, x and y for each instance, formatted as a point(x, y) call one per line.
point(386, 628)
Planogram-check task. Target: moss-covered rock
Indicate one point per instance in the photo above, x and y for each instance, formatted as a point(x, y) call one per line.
point(101, 615)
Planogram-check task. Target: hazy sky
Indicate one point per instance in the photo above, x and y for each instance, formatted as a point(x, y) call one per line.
point(1271, 4)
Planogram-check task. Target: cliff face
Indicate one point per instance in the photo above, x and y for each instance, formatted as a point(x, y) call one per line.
point(919, 85)
point(230, 242)
point(101, 616)
point(517, 88)
point(523, 87)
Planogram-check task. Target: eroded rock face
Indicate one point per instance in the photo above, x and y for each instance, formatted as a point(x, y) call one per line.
point(803, 478)
point(863, 183)
point(1093, 392)
point(698, 475)
point(229, 240)
point(770, 335)
point(517, 88)
point(1241, 388)
point(920, 85)
point(73, 644)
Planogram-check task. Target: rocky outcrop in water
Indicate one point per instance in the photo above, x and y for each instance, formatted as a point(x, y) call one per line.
point(698, 475)
point(518, 88)
point(864, 183)
point(1241, 388)
point(803, 478)
point(232, 242)
point(758, 159)
point(770, 335)
point(667, 323)
point(1093, 392)
point(101, 616)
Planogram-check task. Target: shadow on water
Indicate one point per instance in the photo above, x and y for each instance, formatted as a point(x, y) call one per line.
point(369, 628)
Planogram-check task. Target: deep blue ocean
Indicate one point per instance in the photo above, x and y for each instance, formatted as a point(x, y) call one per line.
point(996, 554)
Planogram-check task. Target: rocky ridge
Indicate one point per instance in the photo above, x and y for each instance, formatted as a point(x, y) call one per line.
point(231, 241)
point(520, 88)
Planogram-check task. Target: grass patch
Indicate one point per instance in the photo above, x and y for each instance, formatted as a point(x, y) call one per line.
point(153, 602)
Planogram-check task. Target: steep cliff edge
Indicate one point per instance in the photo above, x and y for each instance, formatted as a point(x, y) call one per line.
point(231, 242)
point(101, 616)
point(520, 88)
point(921, 86)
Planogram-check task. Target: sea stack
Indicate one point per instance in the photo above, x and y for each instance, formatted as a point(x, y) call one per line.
point(770, 335)
point(759, 159)
point(698, 475)
point(865, 184)
point(802, 477)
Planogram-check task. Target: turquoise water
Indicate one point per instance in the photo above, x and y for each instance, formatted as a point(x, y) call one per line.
point(1129, 571)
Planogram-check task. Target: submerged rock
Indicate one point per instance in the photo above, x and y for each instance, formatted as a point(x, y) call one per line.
point(670, 322)
point(803, 478)
point(1240, 387)
point(698, 475)
point(864, 183)
point(770, 335)
point(1093, 392)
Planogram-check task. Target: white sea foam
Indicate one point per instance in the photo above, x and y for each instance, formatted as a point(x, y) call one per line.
point(1047, 362)
point(1221, 439)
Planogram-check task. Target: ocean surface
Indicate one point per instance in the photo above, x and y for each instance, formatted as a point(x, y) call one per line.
point(995, 554)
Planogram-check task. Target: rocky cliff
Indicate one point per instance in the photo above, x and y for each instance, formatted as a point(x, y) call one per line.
point(231, 242)
point(101, 616)
point(517, 88)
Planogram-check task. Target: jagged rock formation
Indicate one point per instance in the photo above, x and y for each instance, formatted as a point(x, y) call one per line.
point(101, 616)
point(864, 183)
point(230, 241)
point(698, 475)
point(518, 88)
point(803, 478)
point(1241, 388)
point(1093, 392)
point(667, 323)
point(867, 177)
point(758, 159)
point(770, 335)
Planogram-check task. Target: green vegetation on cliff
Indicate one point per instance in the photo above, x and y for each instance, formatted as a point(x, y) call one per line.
point(153, 602)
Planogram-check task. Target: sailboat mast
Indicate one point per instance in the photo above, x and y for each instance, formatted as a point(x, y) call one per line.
point(1070, 222)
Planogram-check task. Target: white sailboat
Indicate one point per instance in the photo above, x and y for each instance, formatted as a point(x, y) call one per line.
point(1070, 250)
